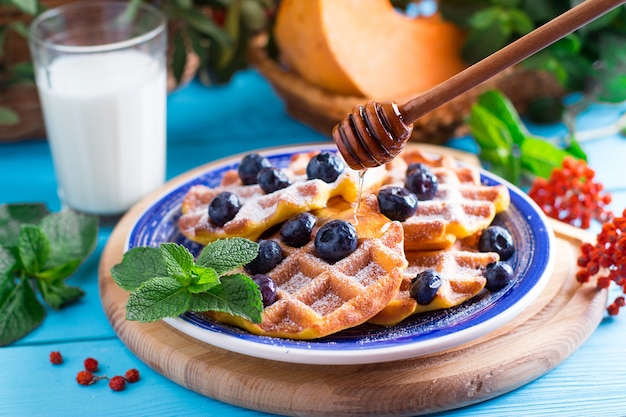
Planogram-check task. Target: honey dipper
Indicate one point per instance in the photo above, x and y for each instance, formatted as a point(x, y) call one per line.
point(375, 133)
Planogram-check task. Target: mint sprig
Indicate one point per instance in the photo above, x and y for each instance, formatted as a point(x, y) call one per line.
point(38, 251)
point(167, 281)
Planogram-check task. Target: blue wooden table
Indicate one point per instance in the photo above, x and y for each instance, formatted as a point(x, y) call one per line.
point(205, 124)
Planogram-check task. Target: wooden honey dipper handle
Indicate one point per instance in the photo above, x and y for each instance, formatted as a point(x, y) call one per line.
point(375, 133)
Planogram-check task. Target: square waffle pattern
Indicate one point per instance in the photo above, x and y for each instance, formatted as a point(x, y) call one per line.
point(462, 279)
point(259, 211)
point(461, 208)
point(315, 298)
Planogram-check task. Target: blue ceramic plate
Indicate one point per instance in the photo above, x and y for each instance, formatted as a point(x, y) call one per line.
point(416, 336)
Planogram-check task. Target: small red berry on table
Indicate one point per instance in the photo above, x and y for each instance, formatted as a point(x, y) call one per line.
point(85, 378)
point(132, 375)
point(91, 364)
point(56, 358)
point(117, 383)
point(571, 195)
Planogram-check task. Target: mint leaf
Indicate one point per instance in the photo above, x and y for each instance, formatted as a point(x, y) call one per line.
point(203, 279)
point(541, 157)
point(238, 295)
point(33, 248)
point(20, 313)
point(12, 216)
point(57, 294)
point(224, 255)
point(157, 298)
point(8, 262)
point(501, 107)
point(166, 282)
point(178, 261)
point(138, 266)
point(506, 147)
point(73, 236)
point(7, 284)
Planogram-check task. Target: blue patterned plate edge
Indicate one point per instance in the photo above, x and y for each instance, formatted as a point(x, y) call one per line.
point(416, 336)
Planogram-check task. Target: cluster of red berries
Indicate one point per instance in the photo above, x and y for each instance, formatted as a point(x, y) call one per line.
point(571, 196)
point(606, 259)
point(87, 376)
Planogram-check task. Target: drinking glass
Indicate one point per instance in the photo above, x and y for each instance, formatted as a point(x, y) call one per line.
point(101, 75)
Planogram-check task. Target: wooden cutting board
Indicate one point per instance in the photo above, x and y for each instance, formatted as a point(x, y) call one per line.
point(532, 344)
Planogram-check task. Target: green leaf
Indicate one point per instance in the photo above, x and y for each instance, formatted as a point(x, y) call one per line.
point(20, 313)
point(184, 4)
point(541, 157)
point(27, 6)
point(33, 248)
point(20, 28)
point(8, 117)
point(12, 216)
point(501, 107)
point(203, 279)
point(203, 24)
point(483, 42)
point(7, 285)
point(520, 22)
point(178, 262)
point(488, 130)
point(73, 236)
point(157, 298)
point(179, 56)
point(138, 266)
point(57, 294)
point(227, 254)
point(238, 295)
point(575, 150)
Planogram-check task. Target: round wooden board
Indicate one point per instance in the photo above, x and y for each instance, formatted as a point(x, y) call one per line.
point(536, 341)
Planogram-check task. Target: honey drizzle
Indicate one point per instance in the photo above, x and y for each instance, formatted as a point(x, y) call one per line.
point(357, 206)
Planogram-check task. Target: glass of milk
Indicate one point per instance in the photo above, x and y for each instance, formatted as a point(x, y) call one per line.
point(101, 76)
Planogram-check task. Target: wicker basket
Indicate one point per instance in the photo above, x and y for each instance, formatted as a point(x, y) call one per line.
point(321, 109)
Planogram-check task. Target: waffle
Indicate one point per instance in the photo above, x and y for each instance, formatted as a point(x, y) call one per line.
point(462, 279)
point(462, 206)
point(260, 211)
point(315, 298)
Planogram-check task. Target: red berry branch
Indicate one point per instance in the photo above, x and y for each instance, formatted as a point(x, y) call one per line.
point(571, 196)
point(606, 259)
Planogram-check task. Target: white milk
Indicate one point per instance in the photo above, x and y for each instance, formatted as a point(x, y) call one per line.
point(107, 137)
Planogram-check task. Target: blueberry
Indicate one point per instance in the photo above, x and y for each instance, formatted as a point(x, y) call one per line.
point(250, 166)
point(271, 179)
point(425, 285)
point(325, 166)
point(267, 286)
point(498, 275)
point(397, 203)
point(421, 180)
point(497, 239)
point(296, 232)
point(270, 254)
point(335, 240)
point(224, 207)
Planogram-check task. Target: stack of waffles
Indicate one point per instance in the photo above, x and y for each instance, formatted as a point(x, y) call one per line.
point(372, 284)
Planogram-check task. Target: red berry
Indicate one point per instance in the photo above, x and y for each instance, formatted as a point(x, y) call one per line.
point(132, 375)
point(56, 358)
point(570, 195)
point(85, 378)
point(91, 364)
point(117, 383)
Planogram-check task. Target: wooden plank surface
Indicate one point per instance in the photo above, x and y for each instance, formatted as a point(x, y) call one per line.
point(535, 342)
